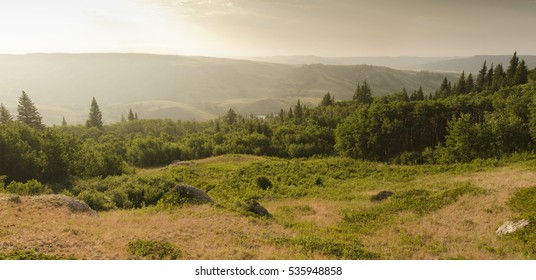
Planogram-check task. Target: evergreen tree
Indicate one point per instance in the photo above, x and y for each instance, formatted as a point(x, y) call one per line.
point(28, 113)
point(95, 115)
point(130, 115)
point(511, 71)
point(469, 83)
point(5, 116)
point(420, 94)
point(231, 117)
point(281, 115)
point(123, 118)
point(290, 113)
point(489, 77)
point(461, 86)
point(298, 111)
point(481, 83)
point(499, 78)
point(522, 74)
point(136, 116)
point(363, 94)
point(327, 100)
point(63, 121)
point(445, 89)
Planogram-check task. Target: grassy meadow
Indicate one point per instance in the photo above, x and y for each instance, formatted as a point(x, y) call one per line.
point(321, 208)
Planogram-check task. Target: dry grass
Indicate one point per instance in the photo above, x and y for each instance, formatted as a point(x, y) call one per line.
point(464, 229)
point(202, 232)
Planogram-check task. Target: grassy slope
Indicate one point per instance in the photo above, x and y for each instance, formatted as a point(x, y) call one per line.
point(321, 209)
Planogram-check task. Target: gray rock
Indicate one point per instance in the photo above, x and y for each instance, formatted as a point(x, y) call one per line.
point(192, 194)
point(256, 208)
point(510, 226)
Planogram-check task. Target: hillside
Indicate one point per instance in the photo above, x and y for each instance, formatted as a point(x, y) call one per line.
point(321, 209)
point(472, 64)
point(178, 87)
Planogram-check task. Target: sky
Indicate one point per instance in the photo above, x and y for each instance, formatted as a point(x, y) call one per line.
point(241, 28)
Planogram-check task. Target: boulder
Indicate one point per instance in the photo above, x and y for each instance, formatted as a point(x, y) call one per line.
point(510, 226)
point(192, 194)
point(181, 163)
point(255, 208)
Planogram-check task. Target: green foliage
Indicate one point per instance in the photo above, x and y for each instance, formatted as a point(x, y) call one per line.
point(263, 183)
point(28, 113)
point(363, 94)
point(153, 250)
point(5, 116)
point(30, 255)
point(96, 200)
point(95, 115)
point(32, 187)
point(337, 249)
point(524, 202)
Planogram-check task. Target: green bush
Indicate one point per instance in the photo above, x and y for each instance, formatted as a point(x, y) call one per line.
point(351, 251)
point(96, 200)
point(264, 183)
point(153, 250)
point(524, 201)
point(32, 187)
point(29, 255)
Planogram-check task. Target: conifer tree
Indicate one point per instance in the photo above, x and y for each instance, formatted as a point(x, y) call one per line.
point(231, 117)
point(489, 77)
point(130, 115)
point(63, 121)
point(95, 115)
point(469, 83)
point(363, 94)
point(136, 116)
point(28, 113)
point(327, 100)
point(5, 116)
point(522, 74)
point(298, 111)
point(445, 89)
point(290, 113)
point(420, 94)
point(481, 84)
point(511, 71)
point(123, 118)
point(281, 115)
point(499, 78)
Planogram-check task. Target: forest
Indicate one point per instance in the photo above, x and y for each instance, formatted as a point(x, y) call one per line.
point(489, 116)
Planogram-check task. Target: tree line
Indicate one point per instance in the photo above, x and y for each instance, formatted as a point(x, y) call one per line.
point(474, 120)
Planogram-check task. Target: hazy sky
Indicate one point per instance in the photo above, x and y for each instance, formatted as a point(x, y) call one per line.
point(270, 27)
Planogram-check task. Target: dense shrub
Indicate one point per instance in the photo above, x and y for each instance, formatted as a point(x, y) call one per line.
point(153, 250)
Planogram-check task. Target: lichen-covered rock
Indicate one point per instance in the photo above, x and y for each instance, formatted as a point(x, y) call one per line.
point(73, 204)
point(510, 226)
point(254, 207)
point(181, 194)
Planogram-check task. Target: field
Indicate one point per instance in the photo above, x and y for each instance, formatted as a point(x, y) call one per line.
point(321, 208)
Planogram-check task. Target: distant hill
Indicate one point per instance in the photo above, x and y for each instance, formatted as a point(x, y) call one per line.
point(472, 64)
point(398, 62)
point(179, 87)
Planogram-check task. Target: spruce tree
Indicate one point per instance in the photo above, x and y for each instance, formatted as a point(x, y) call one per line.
point(123, 118)
point(5, 116)
point(136, 116)
point(469, 83)
point(63, 121)
point(522, 74)
point(298, 111)
point(445, 89)
point(481, 84)
point(327, 100)
point(363, 94)
point(130, 115)
point(420, 94)
point(499, 78)
point(28, 113)
point(95, 115)
point(511, 71)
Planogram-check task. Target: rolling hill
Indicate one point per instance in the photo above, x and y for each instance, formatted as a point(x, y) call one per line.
point(472, 64)
point(179, 87)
